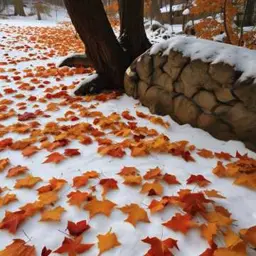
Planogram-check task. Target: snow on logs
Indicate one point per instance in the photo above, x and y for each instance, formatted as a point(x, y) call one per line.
point(206, 84)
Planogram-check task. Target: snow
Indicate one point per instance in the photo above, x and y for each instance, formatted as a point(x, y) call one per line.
point(186, 12)
point(51, 235)
point(56, 14)
point(175, 8)
point(241, 59)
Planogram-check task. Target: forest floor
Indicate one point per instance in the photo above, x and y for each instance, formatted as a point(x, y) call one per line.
point(106, 161)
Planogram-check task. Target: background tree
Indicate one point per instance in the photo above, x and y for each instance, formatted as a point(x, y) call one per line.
point(109, 57)
point(19, 8)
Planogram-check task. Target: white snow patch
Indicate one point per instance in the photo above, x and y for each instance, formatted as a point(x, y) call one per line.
point(241, 59)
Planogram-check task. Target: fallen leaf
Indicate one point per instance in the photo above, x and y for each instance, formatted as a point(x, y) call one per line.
point(128, 171)
point(108, 184)
point(27, 182)
point(77, 198)
point(107, 242)
point(170, 179)
point(17, 170)
point(200, 180)
point(73, 246)
point(179, 222)
point(154, 188)
point(205, 153)
point(159, 247)
point(53, 214)
point(153, 174)
point(12, 220)
point(18, 248)
point(219, 170)
point(76, 229)
point(72, 152)
point(223, 155)
point(7, 199)
point(135, 214)
point(97, 207)
point(29, 151)
point(54, 157)
point(80, 181)
point(132, 180)
point(48, 198)
point(208, 231)
point(46, 252)
point(4, 163)
point(213, 193)
point(249, 235)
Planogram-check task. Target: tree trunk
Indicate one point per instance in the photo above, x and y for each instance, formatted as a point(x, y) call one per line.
point(108, 57)
point(102, 47)
point(18, 8)
point(155, 10)
point(132, 33)
point(249, 13)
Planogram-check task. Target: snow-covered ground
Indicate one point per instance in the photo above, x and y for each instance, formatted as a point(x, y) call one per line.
point(26, 51)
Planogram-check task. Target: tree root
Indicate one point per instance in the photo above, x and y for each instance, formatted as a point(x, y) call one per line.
point(93, 84)
point(76, 60)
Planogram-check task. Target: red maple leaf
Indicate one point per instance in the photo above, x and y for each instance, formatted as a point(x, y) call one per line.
point(76, 229)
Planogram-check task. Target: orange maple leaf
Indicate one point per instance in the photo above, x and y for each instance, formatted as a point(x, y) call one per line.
point(52, 214)
point(27, 182)
point(97, 207)
point(200, 180)
point(154, 188)
point(107, 242)
point(73, 246)
point(77, 198)
point(29, 151)
point(179, 222)
point(17, 170)
point(135, 214)
point(8, 198)
point(12, 220)
point(128, 171)
point(153, 174)
point(18, 248)
point(160, 248)
point(108, 184)
point(170, 179)
point(205, 153)
point(54, 157)
point(4, 163)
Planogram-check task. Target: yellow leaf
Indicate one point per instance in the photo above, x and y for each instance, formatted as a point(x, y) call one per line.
point(53, 214)
point(107, 242)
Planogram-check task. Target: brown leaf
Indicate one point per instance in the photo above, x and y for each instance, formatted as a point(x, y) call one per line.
point(54, 157)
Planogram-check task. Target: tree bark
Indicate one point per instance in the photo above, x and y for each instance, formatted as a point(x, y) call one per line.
point(109, 58)
point(102, 47)
point(132, 33)
point(250, 13)
point(155, 10)
point(18, 8)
